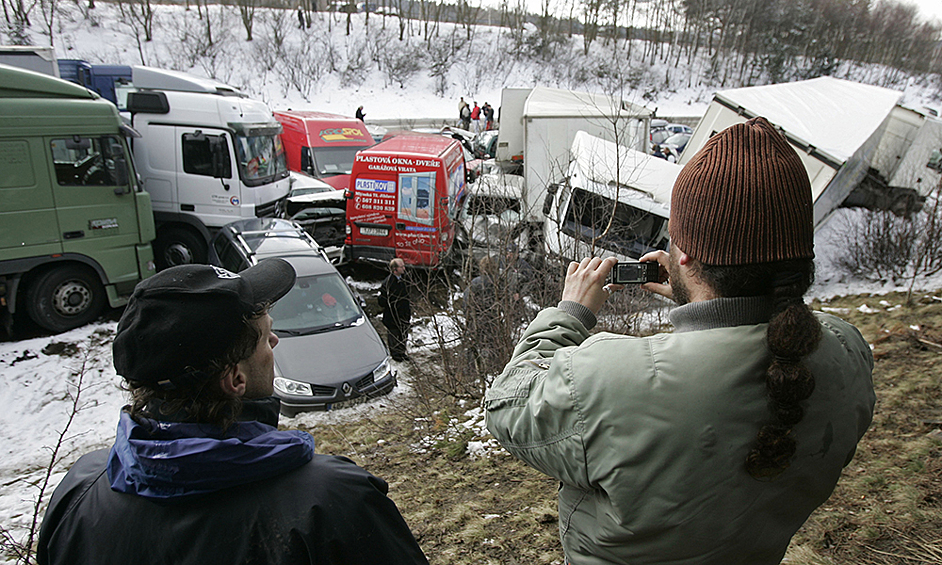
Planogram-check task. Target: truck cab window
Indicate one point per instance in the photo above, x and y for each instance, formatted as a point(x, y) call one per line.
point(89, 161)
point(199, 152)
point(612, 225)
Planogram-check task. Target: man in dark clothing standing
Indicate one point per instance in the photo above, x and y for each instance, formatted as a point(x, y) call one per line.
point(397, 310)
point(199, 473)
point(360, 115)
point(488, 117)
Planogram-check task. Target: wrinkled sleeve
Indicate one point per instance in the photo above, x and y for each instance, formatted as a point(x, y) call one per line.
point(531, 407)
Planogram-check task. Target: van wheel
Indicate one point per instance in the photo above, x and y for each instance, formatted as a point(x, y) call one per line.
point(65, 297)
point(178, 246)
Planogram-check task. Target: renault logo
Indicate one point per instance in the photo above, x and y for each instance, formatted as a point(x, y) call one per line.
point(346, 388)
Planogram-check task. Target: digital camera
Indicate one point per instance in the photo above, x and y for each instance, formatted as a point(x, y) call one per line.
point(634, 272)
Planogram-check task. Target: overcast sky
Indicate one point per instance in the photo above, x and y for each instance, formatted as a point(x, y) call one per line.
point(930, 9)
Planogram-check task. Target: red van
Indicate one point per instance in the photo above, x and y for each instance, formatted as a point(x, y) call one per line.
point(403, 200)
point(322, 145)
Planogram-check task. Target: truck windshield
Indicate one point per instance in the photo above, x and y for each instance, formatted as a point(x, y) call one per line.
point(261, 158)
point(334, 160)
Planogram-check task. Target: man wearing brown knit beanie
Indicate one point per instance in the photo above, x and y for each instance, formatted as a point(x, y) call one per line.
point(713, 443)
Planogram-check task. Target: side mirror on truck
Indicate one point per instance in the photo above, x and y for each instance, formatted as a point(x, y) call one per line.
point(121, 177)
point(220, 152)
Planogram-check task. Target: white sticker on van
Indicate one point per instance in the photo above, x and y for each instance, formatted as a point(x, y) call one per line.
point(370, 185)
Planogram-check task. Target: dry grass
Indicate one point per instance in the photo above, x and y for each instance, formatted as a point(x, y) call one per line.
point(887, 508)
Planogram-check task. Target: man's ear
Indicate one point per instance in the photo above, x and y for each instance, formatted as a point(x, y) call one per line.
point(684, 258)
point(233, 382)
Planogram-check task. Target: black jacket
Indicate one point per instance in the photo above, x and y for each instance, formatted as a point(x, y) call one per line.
point(394, 300)
point(328, 511)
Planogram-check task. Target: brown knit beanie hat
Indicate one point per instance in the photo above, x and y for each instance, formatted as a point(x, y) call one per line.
point(744, 198)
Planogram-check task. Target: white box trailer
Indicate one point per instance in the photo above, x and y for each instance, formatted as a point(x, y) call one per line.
point(919, 167)
point(40, 59)
point(539, 125)
point(615, 202)
point(835, 126)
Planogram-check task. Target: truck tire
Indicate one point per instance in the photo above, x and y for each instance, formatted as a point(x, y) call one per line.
point(179, 246)
point(65, 297)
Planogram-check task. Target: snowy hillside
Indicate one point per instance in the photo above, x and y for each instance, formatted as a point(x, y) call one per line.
point(318, 68)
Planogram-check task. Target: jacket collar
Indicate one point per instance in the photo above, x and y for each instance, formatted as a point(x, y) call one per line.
point(264, 410)
point(721, 313)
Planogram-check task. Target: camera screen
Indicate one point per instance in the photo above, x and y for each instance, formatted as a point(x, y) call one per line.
point(630, 272)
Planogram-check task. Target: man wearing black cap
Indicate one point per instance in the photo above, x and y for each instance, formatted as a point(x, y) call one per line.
point(199, 472)
point(711, 444)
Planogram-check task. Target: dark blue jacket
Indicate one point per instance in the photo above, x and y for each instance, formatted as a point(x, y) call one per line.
point(275, 502)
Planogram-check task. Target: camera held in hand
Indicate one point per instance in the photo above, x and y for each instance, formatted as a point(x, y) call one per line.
point(633, 272)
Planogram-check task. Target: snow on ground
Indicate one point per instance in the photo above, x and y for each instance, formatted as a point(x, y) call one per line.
point(39, 375)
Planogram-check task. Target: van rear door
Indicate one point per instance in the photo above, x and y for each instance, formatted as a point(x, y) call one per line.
point(416, 230)
point(374, 211)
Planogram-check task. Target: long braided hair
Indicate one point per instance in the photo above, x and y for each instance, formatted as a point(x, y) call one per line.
point(793, 334)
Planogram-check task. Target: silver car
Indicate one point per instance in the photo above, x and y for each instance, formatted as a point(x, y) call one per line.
point(328, 352)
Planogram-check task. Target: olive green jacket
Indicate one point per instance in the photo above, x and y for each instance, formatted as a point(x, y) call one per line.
point(648, 436)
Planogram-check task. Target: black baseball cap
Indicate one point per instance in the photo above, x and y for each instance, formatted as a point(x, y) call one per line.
point(184, 316)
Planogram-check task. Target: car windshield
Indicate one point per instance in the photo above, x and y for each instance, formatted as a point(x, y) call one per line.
point(335, 160)
point(316, 304)
point(261, 158)
point(677, 140)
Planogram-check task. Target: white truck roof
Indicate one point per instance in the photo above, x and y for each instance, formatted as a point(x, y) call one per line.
point(555, 103)
point(835, 116)
point(597, 160)
point(162, 79)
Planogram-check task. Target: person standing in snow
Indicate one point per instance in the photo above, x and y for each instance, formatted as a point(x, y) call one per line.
point(462, 105)
point(360, 115)
point(476, 118)
point(714, 443)
point(199, 472)
point(397, 309)
point(488, 116)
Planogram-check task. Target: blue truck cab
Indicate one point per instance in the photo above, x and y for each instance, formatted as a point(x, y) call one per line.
point(100, 79)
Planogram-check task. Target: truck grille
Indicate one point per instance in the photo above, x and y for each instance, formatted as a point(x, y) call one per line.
point(273, 209)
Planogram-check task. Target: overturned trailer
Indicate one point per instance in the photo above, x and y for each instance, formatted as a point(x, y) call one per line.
point(615, 201)
point(836, 126)
point(538, 126)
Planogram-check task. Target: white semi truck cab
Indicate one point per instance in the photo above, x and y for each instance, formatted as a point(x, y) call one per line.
point(208, 155)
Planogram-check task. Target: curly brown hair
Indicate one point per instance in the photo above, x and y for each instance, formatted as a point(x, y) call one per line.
point(792, 335)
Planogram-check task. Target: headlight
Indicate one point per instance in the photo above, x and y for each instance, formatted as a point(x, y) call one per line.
point(379, 373)
point(287, 386)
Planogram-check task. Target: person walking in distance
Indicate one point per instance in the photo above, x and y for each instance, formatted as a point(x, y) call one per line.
point(397, 309)
point(199, 473)
point(360, 114)
point(711, 444)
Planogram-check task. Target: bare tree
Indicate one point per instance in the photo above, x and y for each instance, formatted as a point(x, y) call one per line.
point(247, 13)
point(139, 16)
point(16, 13)
point(23, 550)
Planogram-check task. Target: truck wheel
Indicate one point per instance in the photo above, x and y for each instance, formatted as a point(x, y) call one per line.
point(178, 246)
point(65, 297)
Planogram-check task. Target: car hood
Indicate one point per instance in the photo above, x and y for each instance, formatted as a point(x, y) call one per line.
point(340, 182)
point(330, 357)
point(332, 197)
